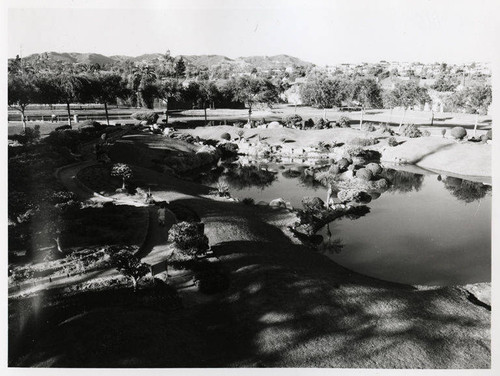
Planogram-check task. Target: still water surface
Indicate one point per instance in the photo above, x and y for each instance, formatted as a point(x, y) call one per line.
point(426, 229)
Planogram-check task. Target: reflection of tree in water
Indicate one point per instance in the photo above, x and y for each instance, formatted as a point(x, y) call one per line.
point(403, 181)
point(240, 177)
point(466, 190)
point(308, 181)
point(331, 245)
point(209, 177)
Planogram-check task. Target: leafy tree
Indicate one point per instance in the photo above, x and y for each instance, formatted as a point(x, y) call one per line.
point(322, 91)
point(406, 94)
point(129, 265)
point(123, 171)
point(208, 93)
point(142, 82)
point(167, 89)
point(367, 92)
point(180, 68)
point(107, 87)
point(474, 99)
point(68, 87)
point(22, 91)
point(251, 90)
point(445, 83)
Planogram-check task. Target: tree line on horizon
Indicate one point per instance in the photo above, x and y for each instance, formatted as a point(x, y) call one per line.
point(40, 81)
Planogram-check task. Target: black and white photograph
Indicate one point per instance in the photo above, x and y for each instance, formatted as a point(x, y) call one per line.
point(215, 185)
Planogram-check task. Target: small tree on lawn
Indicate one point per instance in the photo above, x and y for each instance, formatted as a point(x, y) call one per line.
point(129, 265)
point(251, 91)
point(106, 88)
point(123, 171)
point(22, 91)
point(168, 89)
point(406, 94)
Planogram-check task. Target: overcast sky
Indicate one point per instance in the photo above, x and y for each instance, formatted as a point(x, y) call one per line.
point(323, 32)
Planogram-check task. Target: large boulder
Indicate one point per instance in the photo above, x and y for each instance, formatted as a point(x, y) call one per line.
point(149, 116)
point(278, 203)
point(206, 149)
point(364, 174)
point(458, 133)
point(274, 125)
point(380, 184)
point(334, 169)
point(313, 203)
point(343, 164)
point(353, 195)
point(374, 168)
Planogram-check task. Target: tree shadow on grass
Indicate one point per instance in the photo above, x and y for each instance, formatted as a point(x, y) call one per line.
point(286, 307)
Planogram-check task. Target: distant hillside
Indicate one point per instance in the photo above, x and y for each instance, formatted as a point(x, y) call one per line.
point(206, 60)
point(269, 62)
point(75, 57)
point(260, 62)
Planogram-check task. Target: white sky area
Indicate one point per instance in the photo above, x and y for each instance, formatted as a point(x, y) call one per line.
point(322, 32)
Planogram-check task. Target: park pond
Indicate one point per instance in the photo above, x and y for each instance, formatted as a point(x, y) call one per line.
point(426, 229)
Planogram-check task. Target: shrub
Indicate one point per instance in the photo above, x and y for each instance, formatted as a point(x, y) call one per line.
point(248, 201)
point(123, 171)
point(364, 174)
point(32, 134)
point(223, 189)
point(68, 138)
point(63, 127)
point(309, 123)
point(90, 124)
point(240, 133)
point(458, 133)
point(385, 129)
point(313, 204)
point(189, 237)
point(364, 141)
point(392, 141)
point(319, 123)
point(27, 136)
point(129, 265)
point(443, 132)
point(426, 133)
point(225, 136)
point(343, 122)
point(374, 168)
point(368, 127)
point(292, 120)
point(150, 117)
point(489, 134)
point(354, 151)
point(228, 150)
point(412, 131)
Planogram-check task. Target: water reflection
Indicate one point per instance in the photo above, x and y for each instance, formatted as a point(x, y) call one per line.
point(466, 190)
point(402, 181)
point(240, 177)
